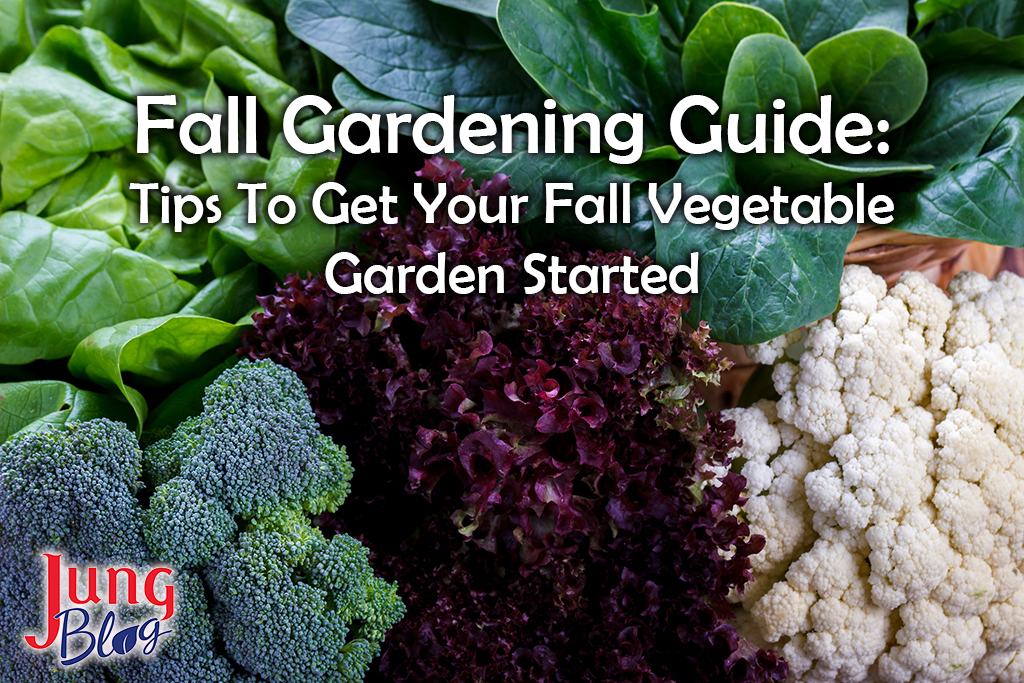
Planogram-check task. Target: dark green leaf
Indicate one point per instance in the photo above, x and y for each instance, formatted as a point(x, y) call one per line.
point(486, 8)
point(973, 45)
point(709, 47)
point(184, 402)
point(1002, 18)
point(594, 59)
point(61, 284)
point(809, 22)
point(15, 42)
point(31, 406)
point(928, 11)
point(871, 71)
point(963, 106)
point(756, 282)
point(226, 298)
point(797, 172)
point(764, 68)
point(978, 200)
point(416, 51)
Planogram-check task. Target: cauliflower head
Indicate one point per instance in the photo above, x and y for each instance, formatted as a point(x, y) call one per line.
point(888, 480)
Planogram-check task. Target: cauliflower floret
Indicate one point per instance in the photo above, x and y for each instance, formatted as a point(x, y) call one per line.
point(900, 550)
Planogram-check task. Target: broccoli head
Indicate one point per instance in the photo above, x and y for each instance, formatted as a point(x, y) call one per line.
point(312, 610)
point(255, 451)
point(260, 594)
point(70, 489)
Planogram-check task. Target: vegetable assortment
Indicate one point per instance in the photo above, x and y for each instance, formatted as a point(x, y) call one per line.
point(534, 487)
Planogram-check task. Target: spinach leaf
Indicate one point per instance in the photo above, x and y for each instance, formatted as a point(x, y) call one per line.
point(966, 45)
point(31, 406)
point(809, 22)
point(15, 41)
point(756, 282)
point(981, 199)
point(963, 106)
point(188, 30)
point(88, 198)
point(800, 173)
point(710, 45)
point(1001, 18)
point(928, 11)
point(305, 243)
point(486, 8)
point(226, 298)
point(594, 59)
point(764, 68)
point(871, 71)
point(49, 123)
point(416, 51)
point(61, 284)
point(153, 351)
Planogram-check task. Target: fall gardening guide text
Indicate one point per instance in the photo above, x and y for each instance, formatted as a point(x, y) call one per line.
point(234, 132)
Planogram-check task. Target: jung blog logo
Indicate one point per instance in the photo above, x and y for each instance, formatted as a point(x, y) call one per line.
point(110, 620)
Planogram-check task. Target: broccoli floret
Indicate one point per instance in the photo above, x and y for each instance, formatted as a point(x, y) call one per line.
point(189, 657)
point(70, 489)
point(185, 527)
point(73, 489)
point(256, 447)
point(260, 594)
point(313, 611)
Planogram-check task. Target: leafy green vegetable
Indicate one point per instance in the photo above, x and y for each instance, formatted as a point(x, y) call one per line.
point(153, 352)
point(1001, 18)
point(486, 8)
point(594, 59)
point(928, 11)
point(304, 243)
point(964, 105)
point(765, 68)
point(872, 71)
point(190, 29)
point(226, 298)
point(61, 284)
point(34, 405)
point(809, 22)
point(15, 42)
point(980, 199)
point(46, 133)
point(966, 45)
point(417, 52)
point(711, 43)
point(754, 280)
